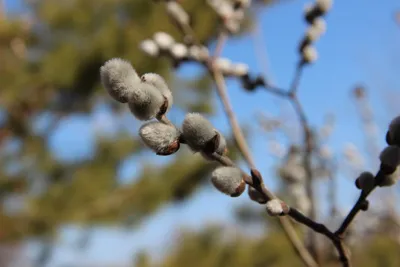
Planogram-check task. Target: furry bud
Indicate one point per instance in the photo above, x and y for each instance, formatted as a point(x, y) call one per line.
point(390, 156)
point(150, 48)
point(199, 53)
point(161, 138)
point(365, 181)
point(274, 207)
point(179, 51)
point(393, 136)
point(256, 196)
point(316, 29)
point(240, 69)
point(145, 102)
point(197, 131)
point(320, 25)
point(309, 54)
point(163, 40)
point(224, 65)
point(324, 5)
point(158, 82)
point(228, 180)
point(119, 78)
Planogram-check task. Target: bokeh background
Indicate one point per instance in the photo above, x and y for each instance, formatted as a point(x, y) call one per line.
point(78, 188)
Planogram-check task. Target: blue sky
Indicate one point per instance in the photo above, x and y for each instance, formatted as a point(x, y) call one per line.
point(362, 45)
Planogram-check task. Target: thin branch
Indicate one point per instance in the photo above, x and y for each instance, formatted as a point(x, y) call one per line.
point(296, 80)
point(237, 132)
point(341, 231)
point(220, 45)
point(322, 229)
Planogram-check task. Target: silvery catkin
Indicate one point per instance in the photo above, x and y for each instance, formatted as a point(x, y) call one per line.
point(119, 78)
point(161, 138)
point(197, 131)
point(145, 102)
point(228, 180)
point(158, 82)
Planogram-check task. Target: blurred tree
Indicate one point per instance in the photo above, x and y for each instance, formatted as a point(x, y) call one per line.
point(51, 54)
point(221, 247)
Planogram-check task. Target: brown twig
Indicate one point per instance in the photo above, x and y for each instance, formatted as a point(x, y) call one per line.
point(237, 132)
point(322, 229)
point(220, 45)
point(341, 231)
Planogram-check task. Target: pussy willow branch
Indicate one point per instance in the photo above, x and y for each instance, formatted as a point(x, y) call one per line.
point(244, 149)
point(293, 213)
point(242, 144)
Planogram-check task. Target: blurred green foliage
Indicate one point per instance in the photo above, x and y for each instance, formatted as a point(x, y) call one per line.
point(51, 55)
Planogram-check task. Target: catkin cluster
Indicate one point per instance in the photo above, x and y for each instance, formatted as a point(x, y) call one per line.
point(390, 162)
point(313, 14)
point(164, 44)
point(148, 98)
point(231, 13)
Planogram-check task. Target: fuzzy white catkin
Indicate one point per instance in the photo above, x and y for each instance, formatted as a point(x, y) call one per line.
point(225, 9)
point(240, 69)
point(228, 180)
point(320, 25)
point(313, 34)
point(197, 131)
point(145, 102)
point(179, 51)
point(158, 136)
point(194, 52)
point(324, 5)
point(390, 156)
point(238, 15)
point(394, 129)
point(309, 54)
point(177, 12)
point(224, 65)
point(158, 82)
point(163, 40)
point(150, 48)
point(366, 181)
point(199, 53)
point(119, 78)
point(274, 207)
